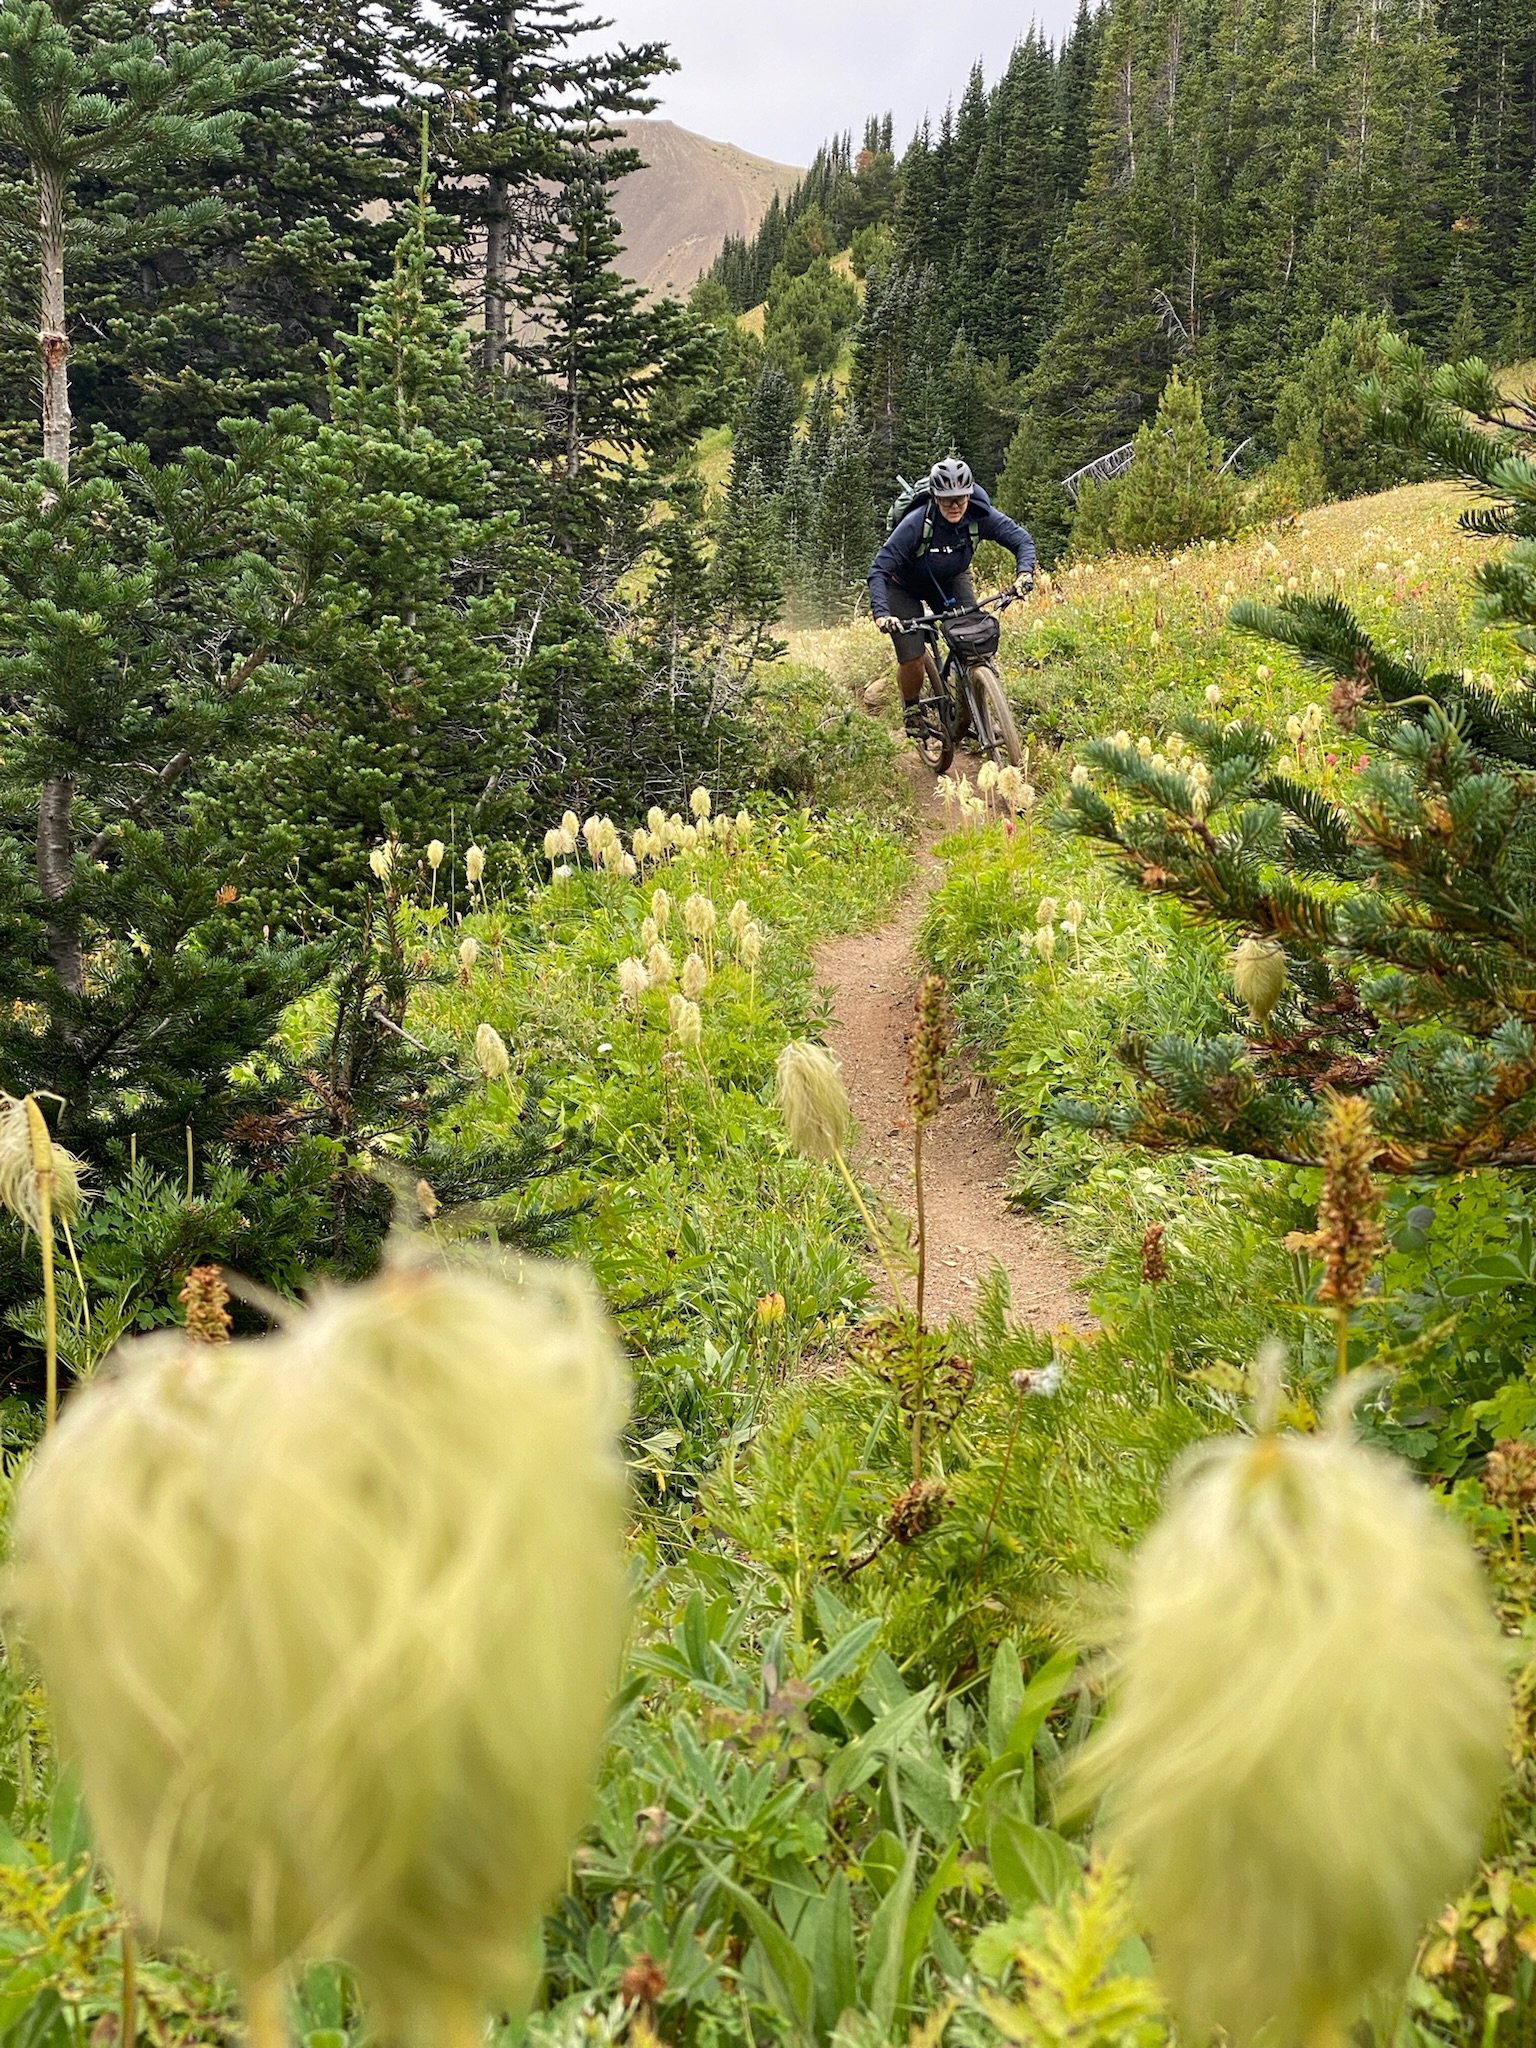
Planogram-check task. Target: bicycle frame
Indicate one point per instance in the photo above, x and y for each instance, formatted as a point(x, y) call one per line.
point(955, 709)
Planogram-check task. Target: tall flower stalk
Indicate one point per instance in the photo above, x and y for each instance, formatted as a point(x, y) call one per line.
point(1349, 1236)
point(819, 1118)
point(40, 1184)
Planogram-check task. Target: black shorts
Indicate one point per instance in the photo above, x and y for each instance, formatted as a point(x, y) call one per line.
point(909, 646)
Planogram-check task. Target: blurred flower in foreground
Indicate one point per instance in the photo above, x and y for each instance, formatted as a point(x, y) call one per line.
point(1308, 1734)
point(332, 1621)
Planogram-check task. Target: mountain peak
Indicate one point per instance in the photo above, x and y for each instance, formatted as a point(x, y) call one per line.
point(677, 212)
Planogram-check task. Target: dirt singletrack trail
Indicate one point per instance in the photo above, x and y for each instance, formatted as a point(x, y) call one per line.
point(872, 978)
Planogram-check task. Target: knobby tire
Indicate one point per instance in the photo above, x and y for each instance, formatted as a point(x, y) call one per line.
point(993, 714)
point(936, 748)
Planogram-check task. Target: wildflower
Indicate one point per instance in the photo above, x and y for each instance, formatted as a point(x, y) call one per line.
point(751, 947)
point(699, 916)
point(658, 964)
point(552, 845)
point(562, 874)
point(469, 953)
point(743, 827)
point(986, 776)
point(1042, 1381)
point(634, 980)
point(205, 1300)
point(1293, 728)
point(1010, 786)
point(1258, 971)
point(1045, 942)
point(737, 919)
point(1082, 775)
point(1123, 738)
point(656, 819)
point(650, 932)
point(382, 861)
point(1509, 1476)
point(1312, 718)
point(661, 908)
point(474, 864)
point(592, 833)
point(688, 1024)
point(705, 831)
point(570, 824)
point(27, 1151)
point(688, 838)
point(435, 853)
point(1309, 1731)
point(426, 1200)
point(813, 1100)
point(567, 842)
point(1213, 695)
point(1047, 911)
point(917, 1510)
point(491, 1055)
point(1154, 1260)
point(1349, 1236)
point(926, 1051)
point(770, 1308)
point(1144, 747)
point(1264, 672)
point(699, 802)
point(613, 857)
point(1027, 797)
point(333, 1627)
point(1074, 914)
point(695, 977)
point(640, 843)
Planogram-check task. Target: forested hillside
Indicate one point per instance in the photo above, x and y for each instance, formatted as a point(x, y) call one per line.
point(1200, 189)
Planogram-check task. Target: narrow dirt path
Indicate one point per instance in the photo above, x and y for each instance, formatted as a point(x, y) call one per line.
point(872, 979)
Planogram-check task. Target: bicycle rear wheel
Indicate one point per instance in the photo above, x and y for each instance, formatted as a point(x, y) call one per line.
point(935, 747)
point(993, 717)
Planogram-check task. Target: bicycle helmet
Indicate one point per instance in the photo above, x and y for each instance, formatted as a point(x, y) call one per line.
point(951, 478)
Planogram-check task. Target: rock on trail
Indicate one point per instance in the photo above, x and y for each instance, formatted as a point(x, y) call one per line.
point(872, 979)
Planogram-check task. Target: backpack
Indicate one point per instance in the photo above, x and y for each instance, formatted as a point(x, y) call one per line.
point(921, 493)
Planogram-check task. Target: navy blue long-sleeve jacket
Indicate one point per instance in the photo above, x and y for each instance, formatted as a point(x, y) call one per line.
point(932, 571)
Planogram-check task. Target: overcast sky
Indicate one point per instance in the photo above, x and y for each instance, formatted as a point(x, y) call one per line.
point(779, 76)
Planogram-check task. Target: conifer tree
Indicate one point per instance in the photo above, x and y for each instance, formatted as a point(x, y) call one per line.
point(174, 331)
point(534, 99)
point(765, 432)
point(403, 723)
point(621, 387)
point(1176, 491)
point(1402, 917)
point(846, 531)
point(75, 104)
point(748, 591)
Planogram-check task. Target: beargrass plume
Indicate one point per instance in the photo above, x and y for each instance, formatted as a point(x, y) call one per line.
point(332, 1621)
point(1308, 1732)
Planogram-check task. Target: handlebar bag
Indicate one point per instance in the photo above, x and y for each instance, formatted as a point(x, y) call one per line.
point(972, 636)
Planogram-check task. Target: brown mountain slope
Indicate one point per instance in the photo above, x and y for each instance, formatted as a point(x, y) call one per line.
point(677, 212)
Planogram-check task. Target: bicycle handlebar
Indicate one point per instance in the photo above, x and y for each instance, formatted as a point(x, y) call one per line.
point(1001, 599)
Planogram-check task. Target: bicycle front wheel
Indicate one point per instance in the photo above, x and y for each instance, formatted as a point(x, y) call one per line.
point(993, 718)
point(935, 747)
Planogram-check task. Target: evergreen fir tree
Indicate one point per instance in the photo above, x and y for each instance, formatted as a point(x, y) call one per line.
point(765, 432)
point(403, 722)
point(846, 530)
point(622, 387)
point(534, 102)
point(749, 591)
point(680, 604)
point(1175, 491)
point(1323, 422)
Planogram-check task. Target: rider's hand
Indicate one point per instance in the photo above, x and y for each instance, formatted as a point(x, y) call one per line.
point(885, 623)
point(1024, 583)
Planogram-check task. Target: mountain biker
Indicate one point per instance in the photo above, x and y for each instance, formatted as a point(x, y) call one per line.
point(927, 558)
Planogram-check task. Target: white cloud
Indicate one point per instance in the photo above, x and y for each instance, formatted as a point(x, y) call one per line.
point(778, 78)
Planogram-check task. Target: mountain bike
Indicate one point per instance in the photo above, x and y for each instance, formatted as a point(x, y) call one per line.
point(965, 696)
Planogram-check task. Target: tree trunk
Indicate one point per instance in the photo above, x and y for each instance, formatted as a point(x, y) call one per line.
point(52, 341)
point(498, 237)
point(54, 827)
point(498, 233)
